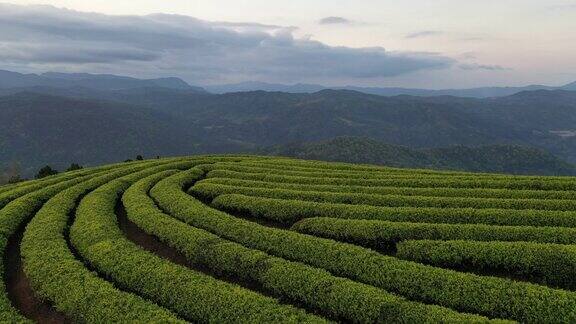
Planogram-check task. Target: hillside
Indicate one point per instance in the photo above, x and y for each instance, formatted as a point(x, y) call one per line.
point(495, 158)
point(11, 80)
point(162, 121)
point(229, 239)
point(39, 129)
point(570, 87)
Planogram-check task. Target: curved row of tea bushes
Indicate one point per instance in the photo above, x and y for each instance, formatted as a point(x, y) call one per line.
point(403, 191)
point(372, 233)
point(25, 187)
point(193, 295)
point(315, 166)
point(210, 191)
point(9, 186)
point(255, 167)
point(290, 211)
point(550, 264)
point(56, 275)
point(323, 169)
point(13, 215)
point(417, 183)
point(308, 165)
point(489, 296)
point(340, 298)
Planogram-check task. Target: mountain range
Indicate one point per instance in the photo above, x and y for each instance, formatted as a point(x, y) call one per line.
point(483, 92)
point(14, 80)
point(89, 122)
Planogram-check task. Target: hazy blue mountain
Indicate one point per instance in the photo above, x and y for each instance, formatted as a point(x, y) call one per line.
point(91, 81)
point(14, 80)
point(485, 92)
point(38, 129)
point(18, 80)
point(84, 125)
point(161, 98)
point(570, 87)
point(263, 86)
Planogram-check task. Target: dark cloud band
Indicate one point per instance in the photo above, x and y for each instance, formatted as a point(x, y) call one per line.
point(192, 48)
point(334, 21)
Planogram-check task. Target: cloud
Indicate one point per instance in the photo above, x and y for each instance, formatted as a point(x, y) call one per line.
point(334, 21)
point(563, 7)
point(486, 67)
point(424, 33)
point(468, 56)
point(471, 39)
point(45, 37)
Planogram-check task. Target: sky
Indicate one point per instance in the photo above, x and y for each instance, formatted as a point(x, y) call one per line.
point(411, 43)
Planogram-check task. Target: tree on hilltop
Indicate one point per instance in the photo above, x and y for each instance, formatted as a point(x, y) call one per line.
point(45, 172)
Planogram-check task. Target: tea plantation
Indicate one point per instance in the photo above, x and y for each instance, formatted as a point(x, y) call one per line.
point(248, 239)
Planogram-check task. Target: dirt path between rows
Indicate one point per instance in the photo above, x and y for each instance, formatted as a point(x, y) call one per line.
point(146, 241)
point(19, 290)
point(152, 244)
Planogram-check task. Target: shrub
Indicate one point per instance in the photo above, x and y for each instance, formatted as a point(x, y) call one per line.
point(74, 166)
point(480, 182)
point(340, 298)
point(494, 297)
point(381, 234)
point(550, 264)
point(14, 215)
point(210, 191)
point(404, 191)
point(59, 277)
point(193, 295)
point(45, 172)
point(290, 211)
point(256, 167)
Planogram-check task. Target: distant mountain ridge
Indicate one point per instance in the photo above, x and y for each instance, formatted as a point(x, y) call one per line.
point(109, 82)
point(510, 159)
point(570, 87)
point(10, 79)
point(90, 125)
point(483, 92)
point(38, 129)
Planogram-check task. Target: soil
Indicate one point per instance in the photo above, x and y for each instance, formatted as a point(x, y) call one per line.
point(146, 241)
point(19, 290)
point(246, 216)
point(152, 244)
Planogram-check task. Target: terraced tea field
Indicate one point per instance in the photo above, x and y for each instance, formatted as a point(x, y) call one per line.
point(250, 239)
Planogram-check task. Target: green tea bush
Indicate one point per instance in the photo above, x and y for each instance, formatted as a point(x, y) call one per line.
point(341, 298)
point(290, 211)
point(59, 277)
point(282, 240)
point(211, 191)
point(382, 233)
point(404, 191)
point(193, 295)
point(489, 296)
point(529, 184)
point(255, 167)
point(550, 264)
